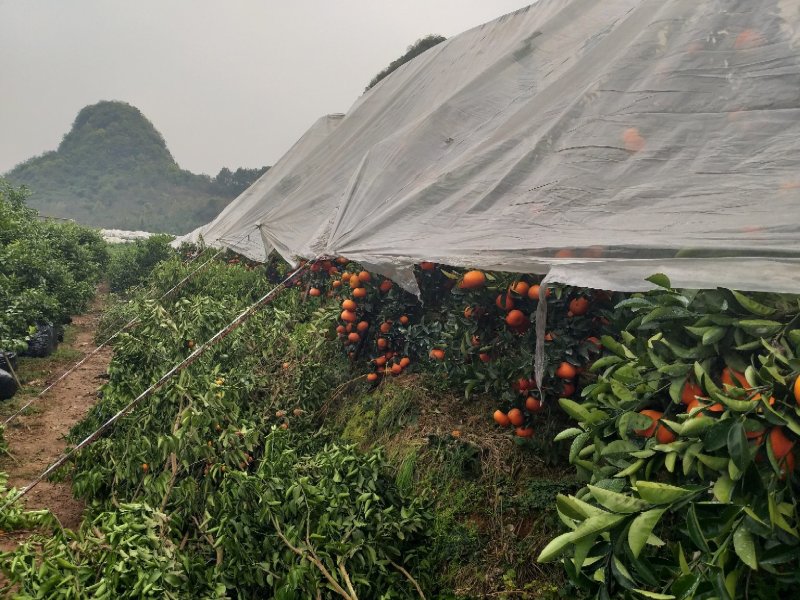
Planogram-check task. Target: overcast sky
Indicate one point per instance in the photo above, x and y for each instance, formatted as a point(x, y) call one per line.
point(227, 82)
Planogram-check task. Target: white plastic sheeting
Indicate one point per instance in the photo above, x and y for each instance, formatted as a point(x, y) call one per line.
point(238, 226)
point(122, 236)
point(599, 141)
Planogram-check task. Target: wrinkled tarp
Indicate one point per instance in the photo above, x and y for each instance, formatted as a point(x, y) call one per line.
point(238, 225)
point(599, 141)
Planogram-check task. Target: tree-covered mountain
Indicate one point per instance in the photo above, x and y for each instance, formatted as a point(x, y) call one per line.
point(113, 169)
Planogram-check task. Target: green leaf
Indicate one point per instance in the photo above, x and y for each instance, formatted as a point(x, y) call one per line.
point(745, 548)
point(574, 410)
point(619, 503)
point(662, 493)
point(695, 531)
point(654, 595)
point(713, 335)
point(568, 434)
point(759, 327)
point(641, 528)
point(591, 526)
point(660, 280)
point(751, 305)
point(667, 313)
point(619, 447)
point(738, 448)
point(723, 488)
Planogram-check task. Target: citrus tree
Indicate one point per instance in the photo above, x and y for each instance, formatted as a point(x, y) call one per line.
point(686, 440)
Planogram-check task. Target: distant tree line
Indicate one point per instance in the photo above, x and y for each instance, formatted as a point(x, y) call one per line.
point(233, 183)
point(415, 49)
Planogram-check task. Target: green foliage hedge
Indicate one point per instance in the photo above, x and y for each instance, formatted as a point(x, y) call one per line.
point(49, 269)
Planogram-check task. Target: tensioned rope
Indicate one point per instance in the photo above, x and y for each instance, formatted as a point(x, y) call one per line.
point(199, 351)
point(125, 327)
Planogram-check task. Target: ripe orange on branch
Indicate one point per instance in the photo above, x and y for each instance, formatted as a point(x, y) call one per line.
point(515, 318)
point(579, 306)
point(566, 371)
point(472, 280)
point(501, 418)
point(654, 416)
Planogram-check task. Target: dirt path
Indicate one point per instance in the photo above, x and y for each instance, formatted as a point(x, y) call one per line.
point(36, 438)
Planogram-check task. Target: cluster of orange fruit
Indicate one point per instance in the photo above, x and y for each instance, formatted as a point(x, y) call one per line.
point(697, 404)
point(353, 329)
point(511, 302)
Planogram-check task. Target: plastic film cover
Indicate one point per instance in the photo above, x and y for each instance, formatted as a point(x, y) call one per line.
point(598, 141)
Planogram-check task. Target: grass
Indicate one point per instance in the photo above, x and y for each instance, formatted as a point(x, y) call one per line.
point(492, 499)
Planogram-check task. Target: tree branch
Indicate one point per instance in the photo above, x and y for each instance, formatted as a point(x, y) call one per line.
point(409, 577)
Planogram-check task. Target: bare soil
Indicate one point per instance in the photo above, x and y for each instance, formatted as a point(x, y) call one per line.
point(37, 437)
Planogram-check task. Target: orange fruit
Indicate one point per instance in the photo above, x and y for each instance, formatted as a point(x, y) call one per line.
point(346, 275)
point(348, 315)
point(405, 361)
point(567, 390)
point(797, 390)
point(654, 415)
point(781, 444)
point(664, 435)
point(533, 404)
point(342, 260)
point(145, 467)
point(403, 320)
point(729, 375)
point(349, 305)
point(437, 354)
point(566, 371)
point(340, 329)
point(380, 361)
point(385, 286)
point(579, 306)
point(372, 377)
point(364, 276)
point(524, 432)
point(520, 287)
point(386, 327)
point(472, 280)
point(504, 303)
point(427, 266)
point(360, 292)
point(336, 284)
point(690, 392)
point(355, 282)
point(533, 292)
point(396, 369)
point(363, 326)
point(353, 338)
point(349, 328)
point(516, 417)
point(501, 418)
point(382, 343)
point(515, 318)
point(757, 435)
point(485, 357)
point(521, 385)
point(314, 292)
